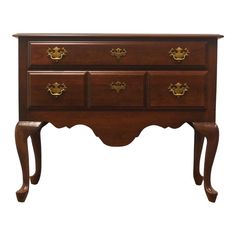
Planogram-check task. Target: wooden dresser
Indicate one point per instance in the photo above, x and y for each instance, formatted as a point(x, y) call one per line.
point(117, 84)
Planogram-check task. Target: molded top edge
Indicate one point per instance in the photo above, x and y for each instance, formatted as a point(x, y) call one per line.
point(118, 35)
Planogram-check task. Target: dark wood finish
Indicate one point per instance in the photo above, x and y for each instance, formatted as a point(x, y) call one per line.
point(36, 142)
point(98, 53)
point(211, 132)
point(23, 130)
point(88, 69)
point(161, 97)
point(101, 94)
point(40, 98)
point(120, 36)
point(198, 143)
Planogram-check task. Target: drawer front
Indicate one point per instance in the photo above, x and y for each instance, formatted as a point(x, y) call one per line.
point(56, 90)
point(177, 89)
point(116, 89)
point(117, 53)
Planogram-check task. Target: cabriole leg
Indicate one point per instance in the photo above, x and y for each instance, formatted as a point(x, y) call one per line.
point(36, 142)
point(211, 132)
point(23, 130)
point(198, 143)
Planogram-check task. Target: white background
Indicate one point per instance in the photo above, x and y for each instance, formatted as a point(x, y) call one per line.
point(145, 188)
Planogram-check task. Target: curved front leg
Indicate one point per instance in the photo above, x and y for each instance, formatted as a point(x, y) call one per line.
point(198, 143)
point(23, 130)
point(211, 132)
point(36, 142)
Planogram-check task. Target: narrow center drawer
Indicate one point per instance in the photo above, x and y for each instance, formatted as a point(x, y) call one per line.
point(56, 90)
point(116, 89)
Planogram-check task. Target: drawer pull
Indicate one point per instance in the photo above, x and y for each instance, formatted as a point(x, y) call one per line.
point(178, 89)
point(118, 53)
point(118, 86)
point(56, 53)
point(179, 54)
point(56, 89)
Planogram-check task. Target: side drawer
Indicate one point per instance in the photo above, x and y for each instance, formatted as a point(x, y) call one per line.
point(116, 89)
point(56, 90)
point(177, 89)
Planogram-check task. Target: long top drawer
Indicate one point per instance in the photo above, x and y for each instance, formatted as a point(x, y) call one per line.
point(116, 53)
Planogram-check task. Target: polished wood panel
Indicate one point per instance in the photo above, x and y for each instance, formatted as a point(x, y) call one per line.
point(101, 94)
point(99, 53)
point(140, 94)
point(160, 95)
point(40, 98)
point(94, 36)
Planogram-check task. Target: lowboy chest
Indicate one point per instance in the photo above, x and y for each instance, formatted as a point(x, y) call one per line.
point(117, 85)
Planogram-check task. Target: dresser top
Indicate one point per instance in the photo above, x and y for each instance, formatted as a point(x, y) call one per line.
point(174, 36)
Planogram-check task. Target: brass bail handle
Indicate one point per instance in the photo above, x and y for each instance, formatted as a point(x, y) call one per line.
point(56, 89)
point(118, 86)
point(178, 89)
point(118, 53)
point(179, 54)
point(56, 53)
